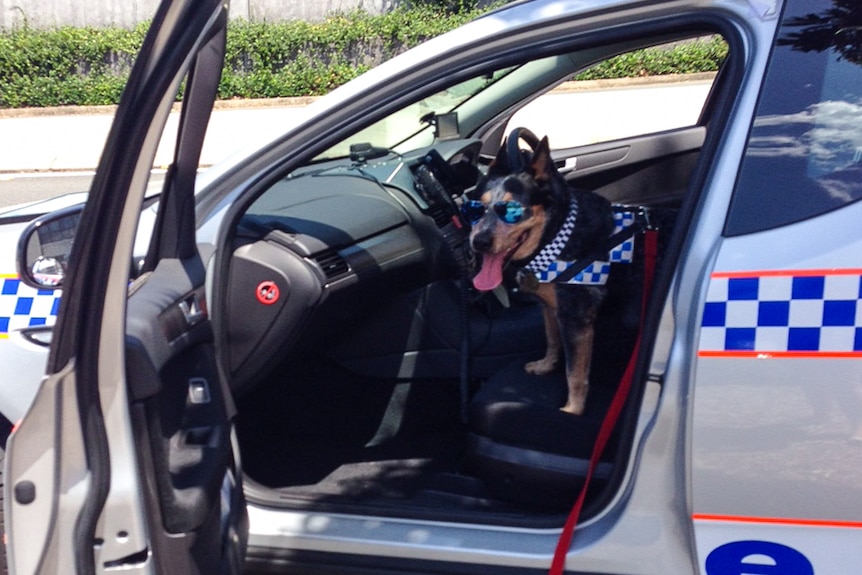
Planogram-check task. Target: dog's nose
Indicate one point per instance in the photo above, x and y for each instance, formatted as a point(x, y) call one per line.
point(482, 242)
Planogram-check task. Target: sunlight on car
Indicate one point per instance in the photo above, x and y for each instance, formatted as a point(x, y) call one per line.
point(520, 315)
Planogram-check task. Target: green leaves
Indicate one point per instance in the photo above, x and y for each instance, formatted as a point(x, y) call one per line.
point(89, 66)
point(297, 58)
point(702, 55)
point(65, 66)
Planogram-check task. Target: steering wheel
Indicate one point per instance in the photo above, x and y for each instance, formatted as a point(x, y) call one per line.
point(516, 156)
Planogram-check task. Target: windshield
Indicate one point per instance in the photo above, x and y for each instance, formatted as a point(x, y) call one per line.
point(410, 127)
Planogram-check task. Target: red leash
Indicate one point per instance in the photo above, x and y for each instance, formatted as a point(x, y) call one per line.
point(559, 563)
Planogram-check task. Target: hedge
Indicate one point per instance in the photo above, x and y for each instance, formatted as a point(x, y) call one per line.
point(701, 55)
point(89, 66)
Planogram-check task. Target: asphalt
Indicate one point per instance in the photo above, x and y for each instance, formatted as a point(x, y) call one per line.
point(72, 139)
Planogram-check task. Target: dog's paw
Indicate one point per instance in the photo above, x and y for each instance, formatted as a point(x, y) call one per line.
point(541, 367)
point(573, 408)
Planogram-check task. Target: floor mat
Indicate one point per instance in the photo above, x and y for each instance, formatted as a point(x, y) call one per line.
point(319, 432)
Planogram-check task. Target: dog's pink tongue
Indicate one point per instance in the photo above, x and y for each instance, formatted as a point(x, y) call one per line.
point(491, 274)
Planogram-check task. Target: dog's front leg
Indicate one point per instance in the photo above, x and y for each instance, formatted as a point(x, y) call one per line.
point(548, 297)
point(578, 368)
point(552, 352)
point(578, 309)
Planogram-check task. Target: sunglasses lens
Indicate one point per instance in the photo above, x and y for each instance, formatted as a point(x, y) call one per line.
point(510, 212)
point(473, 210)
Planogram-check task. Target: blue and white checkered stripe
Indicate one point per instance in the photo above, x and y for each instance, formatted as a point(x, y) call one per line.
point(549, 253)
point(22, 306)
point(772, 314)
point(598, 272)
point(624, 252)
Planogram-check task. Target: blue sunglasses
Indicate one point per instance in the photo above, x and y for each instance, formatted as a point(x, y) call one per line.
point(510, 212)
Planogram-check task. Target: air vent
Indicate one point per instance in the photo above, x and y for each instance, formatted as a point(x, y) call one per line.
point(439, 215)
point(332, 264)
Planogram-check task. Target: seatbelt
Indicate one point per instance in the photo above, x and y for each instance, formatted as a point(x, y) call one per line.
point(564, 543)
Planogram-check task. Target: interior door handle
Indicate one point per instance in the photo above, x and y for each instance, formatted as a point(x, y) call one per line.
point(567, 165)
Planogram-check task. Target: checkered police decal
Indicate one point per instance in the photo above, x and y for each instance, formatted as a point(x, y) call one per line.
point(22, 306)
point(783, 314)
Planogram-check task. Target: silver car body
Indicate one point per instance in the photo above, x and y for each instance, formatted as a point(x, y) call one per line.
point(740, 458)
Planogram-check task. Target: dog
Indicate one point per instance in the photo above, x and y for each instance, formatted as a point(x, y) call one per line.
point(524, 213)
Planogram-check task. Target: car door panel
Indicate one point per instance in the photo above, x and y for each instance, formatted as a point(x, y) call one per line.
point(655, 166)
point(37, 471)
point(135, 469)
point(171, 376)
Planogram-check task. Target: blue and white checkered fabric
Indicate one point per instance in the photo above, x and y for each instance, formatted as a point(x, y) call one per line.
point(624, 252)
point(22, 306)
point(598, 272)
point(548, 254)
point(800, 313)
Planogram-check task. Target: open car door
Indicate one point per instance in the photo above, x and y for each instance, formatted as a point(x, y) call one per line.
point(125, 459)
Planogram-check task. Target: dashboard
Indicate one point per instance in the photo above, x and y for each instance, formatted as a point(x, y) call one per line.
point(343, 232)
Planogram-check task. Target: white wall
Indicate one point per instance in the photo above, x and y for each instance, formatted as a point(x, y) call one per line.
point(127, 13)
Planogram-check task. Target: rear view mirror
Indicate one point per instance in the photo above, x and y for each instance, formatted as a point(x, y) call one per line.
point(44, 248)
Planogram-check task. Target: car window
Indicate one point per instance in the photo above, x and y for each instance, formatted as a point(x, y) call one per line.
point(805, 146)
point(413, 123)
point(638, 103)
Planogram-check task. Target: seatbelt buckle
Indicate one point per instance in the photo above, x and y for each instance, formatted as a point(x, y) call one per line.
point(644, 219)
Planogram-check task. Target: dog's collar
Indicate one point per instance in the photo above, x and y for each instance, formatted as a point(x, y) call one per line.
point(548, 255)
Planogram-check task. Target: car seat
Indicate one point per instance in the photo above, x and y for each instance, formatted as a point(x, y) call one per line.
point(519, 442)
point(524, 448)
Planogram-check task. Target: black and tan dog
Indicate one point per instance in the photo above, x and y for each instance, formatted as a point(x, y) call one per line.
point(523, 213)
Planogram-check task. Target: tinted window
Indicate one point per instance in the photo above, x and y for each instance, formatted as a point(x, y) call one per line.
point(804, 153)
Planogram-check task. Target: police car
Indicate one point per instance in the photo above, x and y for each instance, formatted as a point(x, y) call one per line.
point(278, 365)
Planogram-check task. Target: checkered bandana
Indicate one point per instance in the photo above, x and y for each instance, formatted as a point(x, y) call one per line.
point(22, 306)
point(547, 267)
point(548, 254)
point(775, 314)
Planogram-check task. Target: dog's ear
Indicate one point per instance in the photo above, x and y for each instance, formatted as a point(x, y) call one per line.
point(500, 165)
point(541, 163)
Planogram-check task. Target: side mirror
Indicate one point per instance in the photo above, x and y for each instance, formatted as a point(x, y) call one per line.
point(44, 248)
